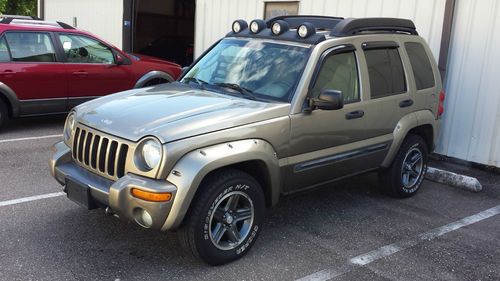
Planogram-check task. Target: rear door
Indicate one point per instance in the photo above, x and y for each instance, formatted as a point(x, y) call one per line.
point(390, 97)
point(30, 66)
point(91, 68)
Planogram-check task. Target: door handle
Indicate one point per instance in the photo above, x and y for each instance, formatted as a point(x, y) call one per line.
point(406, 103)
point(80, 73)
point(354, 114)
point(8, 72)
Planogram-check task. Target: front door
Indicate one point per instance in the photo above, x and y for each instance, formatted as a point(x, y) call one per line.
point(91, 69)
point(325, 143)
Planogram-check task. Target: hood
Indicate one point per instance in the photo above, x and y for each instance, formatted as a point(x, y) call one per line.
point(148, 59)
point(173, 111)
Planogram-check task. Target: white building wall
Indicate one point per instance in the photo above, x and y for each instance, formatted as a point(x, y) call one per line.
point(100, 17)
point(214, 17)
point(471, 123)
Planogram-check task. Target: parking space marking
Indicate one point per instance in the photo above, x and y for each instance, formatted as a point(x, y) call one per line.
point(391, 249)
point(31, 138)
point(31, 198)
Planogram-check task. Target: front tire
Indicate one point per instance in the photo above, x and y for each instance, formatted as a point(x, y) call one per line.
point(406, 173)
point(225, 217)
point(4, 114)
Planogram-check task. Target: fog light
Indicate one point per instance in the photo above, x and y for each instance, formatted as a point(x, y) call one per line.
point(143, 218)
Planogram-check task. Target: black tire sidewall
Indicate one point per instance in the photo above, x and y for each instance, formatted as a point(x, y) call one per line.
point(205, 248)
point(4, 114)
point(397, 187)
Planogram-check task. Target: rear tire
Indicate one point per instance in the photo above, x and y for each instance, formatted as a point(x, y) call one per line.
point(4, 114)
point(406, 173)
point(225, 217)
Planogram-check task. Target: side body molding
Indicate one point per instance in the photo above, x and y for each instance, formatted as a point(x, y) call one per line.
point(190, 170)
point(9, 94)
point(152, 75)
point(408, 122)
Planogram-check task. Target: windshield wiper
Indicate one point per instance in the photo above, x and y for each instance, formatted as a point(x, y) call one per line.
point(198, 81)
point(242, 90)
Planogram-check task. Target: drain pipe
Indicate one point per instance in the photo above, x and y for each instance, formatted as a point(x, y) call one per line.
point(449, 13)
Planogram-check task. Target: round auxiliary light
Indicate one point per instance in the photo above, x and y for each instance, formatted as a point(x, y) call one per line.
point(239, 25)
point(257, 26)
point(279, 27)
point(306, 29)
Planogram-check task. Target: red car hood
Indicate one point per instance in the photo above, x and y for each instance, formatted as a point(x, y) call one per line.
point(149, 59)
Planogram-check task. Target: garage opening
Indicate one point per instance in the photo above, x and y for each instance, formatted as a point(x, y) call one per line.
point(164, 29)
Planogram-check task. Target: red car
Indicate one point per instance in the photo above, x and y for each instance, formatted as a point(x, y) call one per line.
point(49, 67)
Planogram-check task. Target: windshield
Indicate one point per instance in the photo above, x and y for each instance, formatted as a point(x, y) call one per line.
point(253, 68)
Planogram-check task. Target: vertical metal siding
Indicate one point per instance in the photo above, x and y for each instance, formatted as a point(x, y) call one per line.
point(214, 17)
point(101, 17)
point(471, 123)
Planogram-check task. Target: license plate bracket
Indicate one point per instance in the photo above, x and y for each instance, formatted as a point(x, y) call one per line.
point(80, 194)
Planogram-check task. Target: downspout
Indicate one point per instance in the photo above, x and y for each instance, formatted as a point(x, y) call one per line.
point(449, 13)
point(41, 9)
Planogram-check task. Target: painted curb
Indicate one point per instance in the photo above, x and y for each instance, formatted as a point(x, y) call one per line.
point(452, 179)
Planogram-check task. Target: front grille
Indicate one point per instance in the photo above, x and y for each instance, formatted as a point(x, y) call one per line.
point(99, 153)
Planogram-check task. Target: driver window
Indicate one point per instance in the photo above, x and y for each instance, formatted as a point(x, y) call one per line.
point(339, 72)
point(81, 49)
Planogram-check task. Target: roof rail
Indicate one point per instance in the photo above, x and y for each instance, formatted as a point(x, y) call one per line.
point(29, 20)
point(319, 22)
point(352, 26)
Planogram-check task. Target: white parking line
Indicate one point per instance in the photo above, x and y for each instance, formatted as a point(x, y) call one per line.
point(31, 198)
point(391, 249)
point(31, 138)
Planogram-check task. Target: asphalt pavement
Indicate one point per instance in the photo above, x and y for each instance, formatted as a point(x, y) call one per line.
point(442, 233)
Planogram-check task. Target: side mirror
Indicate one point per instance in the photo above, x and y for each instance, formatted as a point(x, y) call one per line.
point(119, 59)
point(327, 100)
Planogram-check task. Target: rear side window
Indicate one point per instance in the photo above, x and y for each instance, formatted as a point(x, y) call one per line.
point(422, 69)
point(30, 47)
point(4, 51)
point(386, 73)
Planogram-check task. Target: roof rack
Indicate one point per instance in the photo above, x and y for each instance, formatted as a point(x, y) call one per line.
point(29, 20)
point(319, 22)
point(352, 26)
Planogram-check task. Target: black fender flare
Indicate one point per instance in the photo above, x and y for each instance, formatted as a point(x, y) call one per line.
point(14, 105)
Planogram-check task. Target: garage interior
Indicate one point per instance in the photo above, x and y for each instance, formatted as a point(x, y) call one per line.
point(164, 29)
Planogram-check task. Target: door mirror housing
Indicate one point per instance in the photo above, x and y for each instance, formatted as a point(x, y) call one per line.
point(328, 100)
point(119, 59)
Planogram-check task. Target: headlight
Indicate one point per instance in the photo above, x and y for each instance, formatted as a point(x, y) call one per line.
point(150, 153)
point(69, 126)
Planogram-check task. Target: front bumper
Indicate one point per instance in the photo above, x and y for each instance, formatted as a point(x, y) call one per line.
point(114, 194)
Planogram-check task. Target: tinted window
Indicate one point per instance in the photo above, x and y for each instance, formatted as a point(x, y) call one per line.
point(339, 72)
point(386, 73)
point(30, 47)
point(4, 50)
point(422, 69)
point(81, 49)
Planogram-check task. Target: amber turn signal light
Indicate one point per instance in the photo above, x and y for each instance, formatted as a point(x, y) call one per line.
point(151, 196)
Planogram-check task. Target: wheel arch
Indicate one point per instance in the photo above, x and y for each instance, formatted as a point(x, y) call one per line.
point(422, 123)
point(253, 156)
point(8, 96)
point(153, 75)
